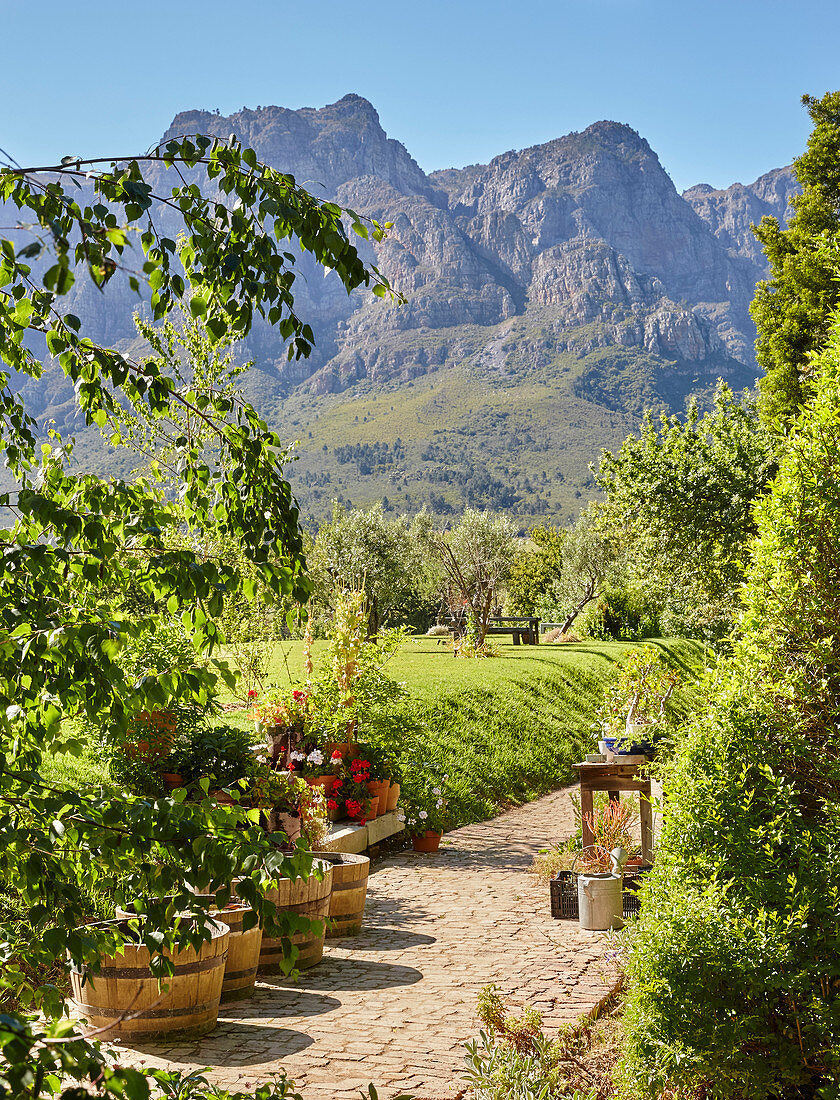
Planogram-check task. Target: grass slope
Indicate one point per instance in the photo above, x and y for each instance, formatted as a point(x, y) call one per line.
point(506, 729)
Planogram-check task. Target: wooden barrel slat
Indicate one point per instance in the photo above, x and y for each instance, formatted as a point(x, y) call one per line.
point(307, 897)
point(188, 1009)
point(349, 891)
point(243, 947)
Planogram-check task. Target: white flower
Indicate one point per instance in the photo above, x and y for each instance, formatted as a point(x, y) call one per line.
point(423, 815)
point(436, 790)
point(400, 817)
point(316, 757)
point(295, 755)
point(439, 803)
point(445, 778)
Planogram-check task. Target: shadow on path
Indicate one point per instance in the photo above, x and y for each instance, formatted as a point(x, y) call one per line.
point(335, 974)
point(241, 1035)
point(280, 1002)
point(378, 938)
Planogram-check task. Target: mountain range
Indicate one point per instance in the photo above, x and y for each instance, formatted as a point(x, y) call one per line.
point(552, 295)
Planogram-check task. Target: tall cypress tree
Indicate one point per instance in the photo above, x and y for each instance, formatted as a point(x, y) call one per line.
point(793, 308)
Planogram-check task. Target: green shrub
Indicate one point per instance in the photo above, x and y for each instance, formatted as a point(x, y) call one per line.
point(620, 613)
point(735, 974)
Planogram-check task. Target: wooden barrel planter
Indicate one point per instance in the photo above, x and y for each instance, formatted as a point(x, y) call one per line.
point(307, 897)
point(349, 890)
point(124, 995)
point(243, 953)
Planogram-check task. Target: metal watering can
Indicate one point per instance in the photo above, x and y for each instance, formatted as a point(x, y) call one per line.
point(600, 903)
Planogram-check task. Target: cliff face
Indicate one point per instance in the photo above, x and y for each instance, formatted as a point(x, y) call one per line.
point(730, 213)
point(574, 265)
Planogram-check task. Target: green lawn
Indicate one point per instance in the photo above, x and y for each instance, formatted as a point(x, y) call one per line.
point(506, 729)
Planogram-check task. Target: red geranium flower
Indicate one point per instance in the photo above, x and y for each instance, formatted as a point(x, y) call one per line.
point(358, 779)
point(291, 765)
point(336, 785)
point(298, 695)
point(336, 755)
point(332, 804)
point(252, 694)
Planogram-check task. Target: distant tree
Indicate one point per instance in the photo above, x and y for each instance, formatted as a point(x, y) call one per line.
point(538, 567)
point(680, 495)
point(476, 557)
point(590, 563)
point(361, 550)
point(793, 308)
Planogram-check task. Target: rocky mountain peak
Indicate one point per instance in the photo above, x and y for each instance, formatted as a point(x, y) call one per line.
point(323, 147)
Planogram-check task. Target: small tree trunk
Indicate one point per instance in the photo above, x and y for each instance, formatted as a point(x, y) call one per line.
point(373, 620)
point(588, 595)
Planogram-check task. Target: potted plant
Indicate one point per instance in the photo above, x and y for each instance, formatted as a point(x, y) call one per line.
point(276, 794)
point(314, 765)
point(379, 768)
point(633, 713)
point(282, 717)
point(224, 754)
point(426, 816)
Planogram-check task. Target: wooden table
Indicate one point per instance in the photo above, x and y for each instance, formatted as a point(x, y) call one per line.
point(615, 778)
point(524, 628)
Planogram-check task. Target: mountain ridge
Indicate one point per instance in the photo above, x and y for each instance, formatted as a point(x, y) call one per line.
point(567, 286)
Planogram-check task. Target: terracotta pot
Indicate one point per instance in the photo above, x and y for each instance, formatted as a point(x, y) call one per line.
point(428, 842)
point(323, 781)
point(346, 748)
point(150, 735)
point(384, 794)
point(373, 812)
point(290, 824)
point(171, 780)
point(375, 793)
point(393, 796)
point(223, 798)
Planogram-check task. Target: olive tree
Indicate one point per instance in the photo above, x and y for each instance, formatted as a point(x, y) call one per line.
point(476, 557)
point(361, 550)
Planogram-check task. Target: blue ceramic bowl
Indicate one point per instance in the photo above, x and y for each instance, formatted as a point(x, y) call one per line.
point(622, 747)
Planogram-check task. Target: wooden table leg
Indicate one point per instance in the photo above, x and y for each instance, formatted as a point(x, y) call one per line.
point(646, 822)
point(586, 816)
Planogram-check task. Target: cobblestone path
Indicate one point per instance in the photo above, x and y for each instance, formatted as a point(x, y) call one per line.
point(395, 1004)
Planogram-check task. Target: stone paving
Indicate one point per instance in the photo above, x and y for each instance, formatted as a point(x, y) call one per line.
point(394, 1005)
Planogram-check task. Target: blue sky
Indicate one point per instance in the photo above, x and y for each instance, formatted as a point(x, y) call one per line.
point(715, 86)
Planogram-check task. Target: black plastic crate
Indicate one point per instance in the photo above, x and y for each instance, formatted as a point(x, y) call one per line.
point(564, 893)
